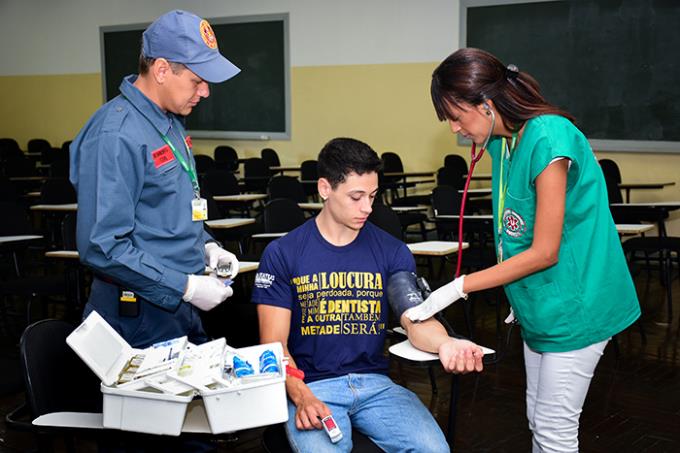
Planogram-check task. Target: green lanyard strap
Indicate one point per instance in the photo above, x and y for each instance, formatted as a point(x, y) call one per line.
point(502, 180)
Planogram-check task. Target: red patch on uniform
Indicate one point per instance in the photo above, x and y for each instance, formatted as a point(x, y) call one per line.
point(188, 140)
point(162, 156)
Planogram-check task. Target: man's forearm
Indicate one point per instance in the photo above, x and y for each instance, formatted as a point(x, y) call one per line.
point(426, 335)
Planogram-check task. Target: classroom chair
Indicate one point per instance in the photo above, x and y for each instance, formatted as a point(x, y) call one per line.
point(226, 158)
point(55, 380)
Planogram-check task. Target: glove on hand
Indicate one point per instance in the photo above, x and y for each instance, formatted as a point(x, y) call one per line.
point(216, 256)
point(206, 292)
point(438, 300)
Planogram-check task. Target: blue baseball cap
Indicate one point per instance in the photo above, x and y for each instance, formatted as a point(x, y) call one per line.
point(183, 37)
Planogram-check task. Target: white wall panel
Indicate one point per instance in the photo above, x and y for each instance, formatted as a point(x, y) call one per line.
point(62, 36)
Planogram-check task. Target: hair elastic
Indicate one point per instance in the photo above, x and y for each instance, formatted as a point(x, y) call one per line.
point(511, 71)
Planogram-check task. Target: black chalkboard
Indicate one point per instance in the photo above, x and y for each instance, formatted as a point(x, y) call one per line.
point(614, 64)
point(253, 105)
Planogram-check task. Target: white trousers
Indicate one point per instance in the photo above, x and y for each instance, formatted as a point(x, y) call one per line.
point(557, 384)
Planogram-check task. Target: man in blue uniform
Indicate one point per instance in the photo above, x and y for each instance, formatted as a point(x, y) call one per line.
point(140, 214)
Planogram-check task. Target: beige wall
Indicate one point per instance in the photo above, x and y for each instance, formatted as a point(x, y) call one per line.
point(386, 105)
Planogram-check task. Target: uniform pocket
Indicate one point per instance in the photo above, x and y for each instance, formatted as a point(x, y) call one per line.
point(541, 311)
point(518, 224)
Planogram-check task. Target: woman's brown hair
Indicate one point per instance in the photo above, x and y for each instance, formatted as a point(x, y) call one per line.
point(473, 76)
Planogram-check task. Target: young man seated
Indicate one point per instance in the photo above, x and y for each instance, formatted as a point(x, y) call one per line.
point(321, 291)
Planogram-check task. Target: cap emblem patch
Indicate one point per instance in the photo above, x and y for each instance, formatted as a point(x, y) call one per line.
point(208, 35)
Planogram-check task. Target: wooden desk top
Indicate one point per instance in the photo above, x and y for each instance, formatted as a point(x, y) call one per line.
point(311, 206)
point(285, 168)
point(406, 174)
point(247, 266)
point(27, 178)
point(467, 217)
point(243, 267)
point(646, 185)
point(406, 350)
point(633, 228)
point(229, 223)
point(409, 208)
point(479, 176)
point(482, 191)
point(63, 254)
point(435, 248)
point(19, 238)
point(671, 205)
point(67, 207)
point(241, 197)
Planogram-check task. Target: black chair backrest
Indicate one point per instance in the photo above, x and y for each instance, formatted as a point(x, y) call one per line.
point(610, 170)
point(9, 148)
point(8, 190)
point(282, 215)
point(384, 217)
point(610, 179)
point(56, 379)
point(68, 231)
point(450, 176)
point(203, 163)
point(445, 200)
point(57, 191)
point(221, 182)
point(309, 171)
point(19, 165)
point(256, 174)
point(59, 167)
point(270, 157)
point(226, 157)
point(16, 220)
point(286, 187)
point(391, 162)
point(456, 161)
point(38, 145)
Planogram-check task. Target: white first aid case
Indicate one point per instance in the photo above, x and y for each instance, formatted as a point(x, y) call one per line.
point(149, 401)
point(235, 403)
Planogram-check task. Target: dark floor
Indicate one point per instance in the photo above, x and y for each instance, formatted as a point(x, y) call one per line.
point(633, 404)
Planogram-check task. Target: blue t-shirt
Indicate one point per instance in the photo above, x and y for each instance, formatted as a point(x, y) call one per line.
point(337, 297)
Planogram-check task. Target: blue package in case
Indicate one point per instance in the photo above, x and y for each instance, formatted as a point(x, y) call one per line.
point(268, 362)
point(242, 367)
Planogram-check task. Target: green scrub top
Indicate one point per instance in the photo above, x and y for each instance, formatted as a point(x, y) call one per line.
point(589, 295)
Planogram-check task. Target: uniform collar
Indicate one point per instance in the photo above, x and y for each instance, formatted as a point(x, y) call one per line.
point(160, 119)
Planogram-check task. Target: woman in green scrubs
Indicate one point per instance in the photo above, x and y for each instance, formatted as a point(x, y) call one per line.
point(559, 256)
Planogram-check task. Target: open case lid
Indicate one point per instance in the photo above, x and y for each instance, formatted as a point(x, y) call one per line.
point(100, 347)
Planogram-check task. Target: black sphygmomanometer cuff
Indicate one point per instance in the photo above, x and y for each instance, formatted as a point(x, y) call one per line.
point(403, 292)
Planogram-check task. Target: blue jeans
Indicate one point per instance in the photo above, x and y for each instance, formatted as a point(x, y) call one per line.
point(390, 415)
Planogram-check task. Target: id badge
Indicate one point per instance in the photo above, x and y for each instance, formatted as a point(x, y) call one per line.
point(199, 209)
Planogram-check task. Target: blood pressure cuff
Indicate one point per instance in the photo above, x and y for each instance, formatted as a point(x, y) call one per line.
point(406, 290)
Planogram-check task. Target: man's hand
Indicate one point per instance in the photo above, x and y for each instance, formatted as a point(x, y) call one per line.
point(438, 300)
point(460, 356)
point(310, 411)
point(216, 256)
point(206, 292)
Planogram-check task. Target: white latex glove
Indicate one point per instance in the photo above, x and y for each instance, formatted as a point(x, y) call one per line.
point(216, 256)
point(511, 317)
point(206, 292)
point(438, 300)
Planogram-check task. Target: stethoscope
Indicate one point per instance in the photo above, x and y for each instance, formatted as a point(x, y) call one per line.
point(474, 158)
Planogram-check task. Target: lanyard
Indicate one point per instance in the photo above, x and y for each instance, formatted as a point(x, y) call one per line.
point(187, 166)
point(503, 185)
